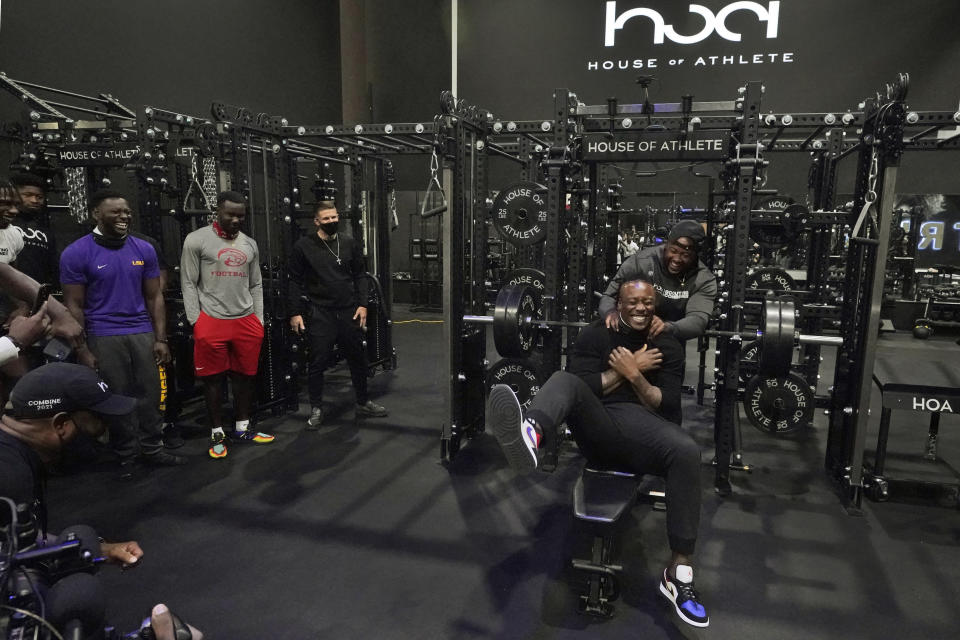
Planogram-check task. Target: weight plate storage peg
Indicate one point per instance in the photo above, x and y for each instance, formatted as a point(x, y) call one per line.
point(520, 214)
point(778, 405)
point(517, 374)
point(516, 310)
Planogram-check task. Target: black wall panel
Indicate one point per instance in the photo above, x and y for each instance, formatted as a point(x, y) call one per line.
point(276, 57)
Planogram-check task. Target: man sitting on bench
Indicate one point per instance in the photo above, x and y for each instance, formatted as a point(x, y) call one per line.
point(621, 400)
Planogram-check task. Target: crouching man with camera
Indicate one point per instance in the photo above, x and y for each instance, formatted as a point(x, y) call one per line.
point(48, 407)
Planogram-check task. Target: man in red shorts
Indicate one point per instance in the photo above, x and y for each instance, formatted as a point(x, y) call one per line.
point(223, 298)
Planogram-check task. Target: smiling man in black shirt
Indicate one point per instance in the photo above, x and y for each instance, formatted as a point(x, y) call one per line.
point(621, 399)
point(327, 268)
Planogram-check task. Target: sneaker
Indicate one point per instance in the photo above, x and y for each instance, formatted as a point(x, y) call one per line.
point(316, 419)
point(218, 445)
point(518, 438)
point(684, 597)
point(251, 436)
point(371, 409)
point(164, 459)
point(171, 436)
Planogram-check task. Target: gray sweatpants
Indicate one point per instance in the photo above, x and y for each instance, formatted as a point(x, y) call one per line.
point(128, 365)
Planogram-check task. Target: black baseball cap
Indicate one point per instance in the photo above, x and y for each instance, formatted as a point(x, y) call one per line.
point(63, 387)
point(688, 229)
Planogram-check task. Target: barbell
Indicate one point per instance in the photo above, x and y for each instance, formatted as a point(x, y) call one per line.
point(516, 321)
point(777, 337)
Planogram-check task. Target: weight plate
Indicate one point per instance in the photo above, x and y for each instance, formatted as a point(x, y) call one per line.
point(776, 231)
point(207, 139)
point(520, 214)
point(749, 360)
point(770, 279)
point(778, 405)
point(776, 341)
point(774, 203)
point(513, 331)
point(519, 375)
point(529, 276)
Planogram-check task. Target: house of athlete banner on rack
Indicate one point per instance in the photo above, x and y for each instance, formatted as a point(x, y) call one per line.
point(811, 55)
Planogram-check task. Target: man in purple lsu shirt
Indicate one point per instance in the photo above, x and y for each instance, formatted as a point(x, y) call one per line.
point(111, 284)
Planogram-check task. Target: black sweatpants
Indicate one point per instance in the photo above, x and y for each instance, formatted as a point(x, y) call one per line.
point(328, 327)
point(628, 437)
point(128, 365)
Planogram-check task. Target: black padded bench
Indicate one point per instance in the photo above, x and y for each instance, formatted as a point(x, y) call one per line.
point(913, 379)
point(600, 498)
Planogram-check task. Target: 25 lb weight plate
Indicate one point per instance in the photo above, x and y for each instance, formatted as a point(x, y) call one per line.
point(520, 214)
point(780, 406)
point(517, 374)
point(528, 276)
point(770, 279)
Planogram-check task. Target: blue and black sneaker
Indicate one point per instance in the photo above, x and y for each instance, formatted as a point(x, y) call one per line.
point(684, 597)
point(518, 438)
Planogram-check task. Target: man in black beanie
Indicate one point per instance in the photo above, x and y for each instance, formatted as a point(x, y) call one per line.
point(687, 288)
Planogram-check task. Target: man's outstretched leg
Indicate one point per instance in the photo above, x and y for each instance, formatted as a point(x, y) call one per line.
point(526, 440)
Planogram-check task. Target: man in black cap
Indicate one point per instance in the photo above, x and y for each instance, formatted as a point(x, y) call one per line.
point(687, 288)
point(50, 406)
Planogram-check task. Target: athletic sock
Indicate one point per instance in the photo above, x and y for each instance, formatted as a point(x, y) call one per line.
point(216, 430)
point(241, 425)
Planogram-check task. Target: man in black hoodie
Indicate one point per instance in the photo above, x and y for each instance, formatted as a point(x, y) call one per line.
point(687, 289)
point(327, 268)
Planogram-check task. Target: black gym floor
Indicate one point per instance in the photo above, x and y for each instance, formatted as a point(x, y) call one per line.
point(359, 532)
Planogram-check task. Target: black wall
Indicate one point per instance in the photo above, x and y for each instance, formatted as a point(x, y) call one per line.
point(513, 54)
point(276, 57)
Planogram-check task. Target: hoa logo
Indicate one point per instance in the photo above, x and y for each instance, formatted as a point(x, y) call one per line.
point(232, 257)
point(712, 23)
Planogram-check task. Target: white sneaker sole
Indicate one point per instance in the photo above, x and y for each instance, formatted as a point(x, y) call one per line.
point(506, 418)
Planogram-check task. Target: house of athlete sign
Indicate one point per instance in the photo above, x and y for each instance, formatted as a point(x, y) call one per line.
point(626, 24)
point(644, 145)
point(92, 155)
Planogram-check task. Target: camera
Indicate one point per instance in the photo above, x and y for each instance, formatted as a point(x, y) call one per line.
point(50, 590)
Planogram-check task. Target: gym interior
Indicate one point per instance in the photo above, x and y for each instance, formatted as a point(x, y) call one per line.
point(495, 161)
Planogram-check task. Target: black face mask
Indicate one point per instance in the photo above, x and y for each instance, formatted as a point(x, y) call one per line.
point(330, 228)
point(109, 243)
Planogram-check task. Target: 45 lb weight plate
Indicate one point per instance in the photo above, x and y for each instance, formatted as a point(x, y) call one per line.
point(779, 406)
point(517, 374)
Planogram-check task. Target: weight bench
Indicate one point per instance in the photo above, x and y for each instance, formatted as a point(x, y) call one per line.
point(600, 498)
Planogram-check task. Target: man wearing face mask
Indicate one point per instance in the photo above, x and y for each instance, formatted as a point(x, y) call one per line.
point(111, 285)
point(687, 288)
point(328, 268)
